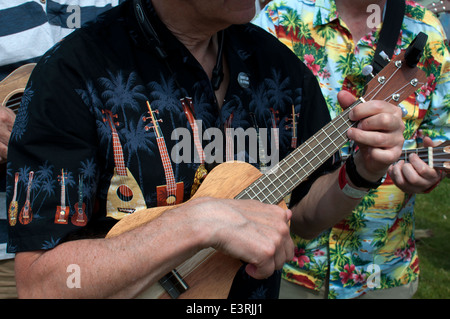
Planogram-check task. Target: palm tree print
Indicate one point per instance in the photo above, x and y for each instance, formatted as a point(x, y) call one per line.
point(121, 93)
point(292, 22)
point(138, 141)
point(21, 121)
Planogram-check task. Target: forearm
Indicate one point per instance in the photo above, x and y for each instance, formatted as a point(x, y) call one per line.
point(119, 267)
point(323, 207)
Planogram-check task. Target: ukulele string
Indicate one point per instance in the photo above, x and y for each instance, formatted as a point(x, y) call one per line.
point(180, 269)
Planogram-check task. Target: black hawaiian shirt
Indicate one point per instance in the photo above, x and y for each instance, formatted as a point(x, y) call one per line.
point(98, 134)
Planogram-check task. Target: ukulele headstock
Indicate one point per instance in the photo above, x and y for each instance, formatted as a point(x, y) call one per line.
point(395, 82)
point(109, 117)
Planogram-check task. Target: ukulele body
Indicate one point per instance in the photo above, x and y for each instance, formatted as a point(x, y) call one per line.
point(226, 180)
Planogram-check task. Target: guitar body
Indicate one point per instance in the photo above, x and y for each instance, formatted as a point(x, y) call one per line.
point(13, 208)
point(13, 86)
point(26, 216)
point(12, 212)
point(124, 196)
point(62, 215)
point(226, 180)
point(163, 199)
point(79, 218)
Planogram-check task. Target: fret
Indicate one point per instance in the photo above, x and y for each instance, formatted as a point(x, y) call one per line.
point(119, 160)
point(63, 190)
point(253, 195)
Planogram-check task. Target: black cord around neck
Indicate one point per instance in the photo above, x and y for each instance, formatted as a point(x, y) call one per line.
point(151, 36)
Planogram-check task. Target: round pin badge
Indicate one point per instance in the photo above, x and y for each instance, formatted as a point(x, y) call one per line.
point(243, 80)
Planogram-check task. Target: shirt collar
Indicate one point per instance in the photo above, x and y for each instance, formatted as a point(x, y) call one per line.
point(324, 12)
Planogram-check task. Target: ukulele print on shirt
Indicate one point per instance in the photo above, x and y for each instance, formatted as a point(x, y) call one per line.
point(293, 126)
point(62, 212)
point(79, 218)
point(14, 205)
point(171, 193)
point(201, 172)
point(124, 194)
point(26, 215)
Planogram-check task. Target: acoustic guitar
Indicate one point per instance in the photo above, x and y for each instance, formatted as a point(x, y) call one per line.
point(209, 273)
point(13, 86)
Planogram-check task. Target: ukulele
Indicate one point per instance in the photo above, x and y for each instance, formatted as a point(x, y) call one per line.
point(124, 194)
point(14, 206)
point(62, 212)
point(439, 7)
point(13, 86)
point(209, 273)
point(26, 214)
point(79, 218)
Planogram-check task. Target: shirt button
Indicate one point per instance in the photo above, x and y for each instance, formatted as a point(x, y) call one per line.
point(349, 46)
point(334, 237)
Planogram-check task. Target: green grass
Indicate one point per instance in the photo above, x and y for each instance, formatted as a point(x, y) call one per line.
point(433, 212)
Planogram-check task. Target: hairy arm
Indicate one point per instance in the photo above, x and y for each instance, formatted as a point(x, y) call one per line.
point(123, 266)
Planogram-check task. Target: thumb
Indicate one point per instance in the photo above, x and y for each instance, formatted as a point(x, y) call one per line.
point(427, 142)
point(345, 99)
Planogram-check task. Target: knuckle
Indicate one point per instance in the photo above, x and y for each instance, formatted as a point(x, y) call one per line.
point(269, 250)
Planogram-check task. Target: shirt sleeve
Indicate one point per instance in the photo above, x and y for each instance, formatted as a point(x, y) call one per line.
point(52, 172)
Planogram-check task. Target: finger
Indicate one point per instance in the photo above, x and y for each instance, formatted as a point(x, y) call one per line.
point(376, 139)
point(428, 142)
point(382, 122)
point(375, 107)
point(395, 172)
point(264, 265)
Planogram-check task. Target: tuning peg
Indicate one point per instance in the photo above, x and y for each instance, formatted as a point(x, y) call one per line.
point(385, 56)
point(404, 110)
point(420, 98)
point(367, 70)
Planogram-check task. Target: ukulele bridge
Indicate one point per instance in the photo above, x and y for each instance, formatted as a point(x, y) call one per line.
point(173, 284)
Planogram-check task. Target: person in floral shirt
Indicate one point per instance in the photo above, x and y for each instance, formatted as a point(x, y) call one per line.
point(372, 252)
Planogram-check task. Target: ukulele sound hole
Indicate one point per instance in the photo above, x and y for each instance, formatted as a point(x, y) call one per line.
point(14, 102)
point(124, 193)
point(171, 199)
